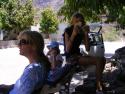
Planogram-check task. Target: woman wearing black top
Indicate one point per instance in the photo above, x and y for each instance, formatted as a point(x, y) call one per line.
point(74, 35)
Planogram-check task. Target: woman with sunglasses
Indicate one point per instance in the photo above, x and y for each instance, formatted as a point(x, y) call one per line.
point(31, 45)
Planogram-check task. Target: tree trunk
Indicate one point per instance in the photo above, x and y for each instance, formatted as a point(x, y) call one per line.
point(47, 35)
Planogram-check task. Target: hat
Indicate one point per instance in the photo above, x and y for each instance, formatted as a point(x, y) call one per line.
point(53, 44)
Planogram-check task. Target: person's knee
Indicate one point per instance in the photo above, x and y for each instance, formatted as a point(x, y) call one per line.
point(102, 59)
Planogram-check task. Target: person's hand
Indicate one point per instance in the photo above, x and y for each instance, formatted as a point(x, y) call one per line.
point(77, 27)
point(53, 52)
point(79, 24)
point(49, 52)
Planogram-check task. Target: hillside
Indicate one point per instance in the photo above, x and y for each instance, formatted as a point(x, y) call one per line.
point(40, 4)
point(56, 4)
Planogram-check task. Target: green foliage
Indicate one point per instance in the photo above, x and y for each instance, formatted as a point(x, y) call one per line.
point(112, 35)
point(15, 15)
point(3, 14)
point(49, 21)
point(3, 1)
point(93, 9)
point(121, 18)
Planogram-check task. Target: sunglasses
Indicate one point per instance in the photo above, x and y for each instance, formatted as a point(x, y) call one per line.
point(24, 42)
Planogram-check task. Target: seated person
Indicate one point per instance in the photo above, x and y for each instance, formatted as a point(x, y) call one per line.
point(54, 55)
point(76, 34)
point(31, 45)
point(55, 76)
point(56, 60)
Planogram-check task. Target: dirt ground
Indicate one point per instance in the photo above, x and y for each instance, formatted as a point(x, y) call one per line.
point(113, 80)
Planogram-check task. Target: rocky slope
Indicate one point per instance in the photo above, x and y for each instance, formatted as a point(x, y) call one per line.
point(56, 4)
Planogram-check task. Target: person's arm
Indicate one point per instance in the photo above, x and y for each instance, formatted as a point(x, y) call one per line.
point(26, 84)
point(56, 62)
point(59, 60)
point(86, 37)
point(53, 61)
point(69, 40)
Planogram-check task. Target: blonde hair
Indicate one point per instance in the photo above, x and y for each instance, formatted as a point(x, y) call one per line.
point(36, 40)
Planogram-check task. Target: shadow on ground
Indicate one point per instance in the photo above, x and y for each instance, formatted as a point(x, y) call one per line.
point(113, 81)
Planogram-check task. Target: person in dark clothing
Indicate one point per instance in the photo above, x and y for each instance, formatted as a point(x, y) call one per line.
point(74, 35)
point(75, 45)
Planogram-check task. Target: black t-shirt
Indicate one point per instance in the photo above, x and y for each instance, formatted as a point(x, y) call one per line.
point(76, 43)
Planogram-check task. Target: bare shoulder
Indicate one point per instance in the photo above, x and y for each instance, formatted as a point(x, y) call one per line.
point(86, 28)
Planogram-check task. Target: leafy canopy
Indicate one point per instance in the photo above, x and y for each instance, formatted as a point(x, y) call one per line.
point(16, 15)
point(114, 10)
point(49, 21)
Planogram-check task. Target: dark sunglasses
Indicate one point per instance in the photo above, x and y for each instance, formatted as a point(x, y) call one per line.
point(24, 42)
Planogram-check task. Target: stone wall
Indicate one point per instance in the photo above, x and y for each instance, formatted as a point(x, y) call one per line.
point(8, 44)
